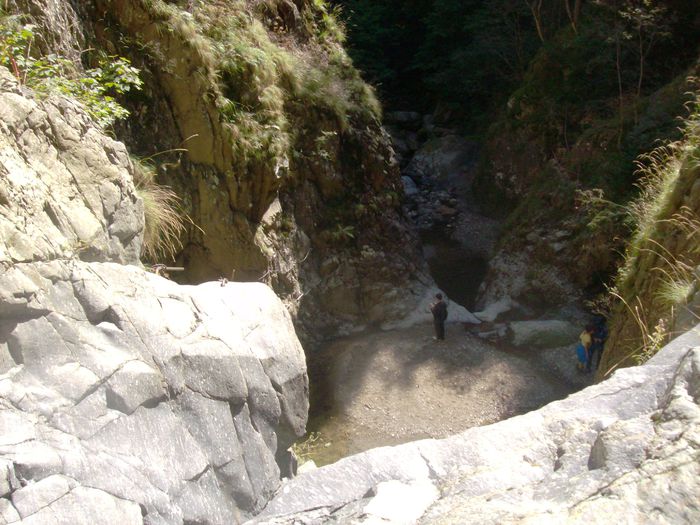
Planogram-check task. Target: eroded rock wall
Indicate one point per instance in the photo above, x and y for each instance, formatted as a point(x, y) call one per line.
point(124, 397)
point(255, 115)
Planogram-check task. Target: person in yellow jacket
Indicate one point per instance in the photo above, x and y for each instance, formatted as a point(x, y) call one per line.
point(584, 347)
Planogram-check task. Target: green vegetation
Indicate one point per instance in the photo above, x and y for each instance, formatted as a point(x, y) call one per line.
point(469, 56)
point(567, 95)
point(94, 88)
point(658, 277)
point(260, 79)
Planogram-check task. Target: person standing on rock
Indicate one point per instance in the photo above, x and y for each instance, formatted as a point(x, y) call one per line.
point(439, 311)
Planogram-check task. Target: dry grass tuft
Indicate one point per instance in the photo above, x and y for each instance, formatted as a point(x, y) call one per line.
point(164, 217)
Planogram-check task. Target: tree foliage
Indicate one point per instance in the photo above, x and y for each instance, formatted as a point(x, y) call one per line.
point(469, 55)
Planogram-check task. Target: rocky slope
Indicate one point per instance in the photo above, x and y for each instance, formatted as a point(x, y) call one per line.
point(563, 238)
point(258, 120)
point(124, 398)
point(624, 450)
point(559, 161)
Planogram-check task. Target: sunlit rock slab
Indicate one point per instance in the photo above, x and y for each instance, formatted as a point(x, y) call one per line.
point(171, 397)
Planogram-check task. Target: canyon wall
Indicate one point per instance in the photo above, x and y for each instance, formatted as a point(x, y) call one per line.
point(124, 397)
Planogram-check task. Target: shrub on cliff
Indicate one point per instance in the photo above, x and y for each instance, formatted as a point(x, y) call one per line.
point(94, 88)
point(164, 217)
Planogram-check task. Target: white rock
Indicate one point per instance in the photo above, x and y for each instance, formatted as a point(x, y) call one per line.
point(421, 313)
point(624, 450)
point(35, 496)
point(494, 309)
point(401, 503)
point(307, 466)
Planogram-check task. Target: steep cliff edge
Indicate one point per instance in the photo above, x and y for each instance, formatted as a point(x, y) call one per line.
point(255, 115)
point(657, 286)
point(124, 397)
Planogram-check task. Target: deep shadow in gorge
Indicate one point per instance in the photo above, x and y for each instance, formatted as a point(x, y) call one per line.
point(456, 270)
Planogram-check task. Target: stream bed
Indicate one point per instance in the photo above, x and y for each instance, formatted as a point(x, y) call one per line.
point(381, 388)
point(390, 387)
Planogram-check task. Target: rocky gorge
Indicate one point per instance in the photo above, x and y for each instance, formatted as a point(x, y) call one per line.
point(126, 397)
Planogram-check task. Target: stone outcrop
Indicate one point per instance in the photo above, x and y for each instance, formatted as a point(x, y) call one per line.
point(547, 333)
point(272, 144)
point(66, 191)
point(124, 397)
point(173, 399)
point(625, 450)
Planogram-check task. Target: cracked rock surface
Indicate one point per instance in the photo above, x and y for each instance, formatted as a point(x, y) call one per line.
point(124, 398)
point(626, 451)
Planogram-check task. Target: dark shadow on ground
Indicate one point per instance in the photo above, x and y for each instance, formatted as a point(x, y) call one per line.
point(385, 388)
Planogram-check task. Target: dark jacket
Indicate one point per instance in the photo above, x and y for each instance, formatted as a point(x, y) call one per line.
point(439, 311)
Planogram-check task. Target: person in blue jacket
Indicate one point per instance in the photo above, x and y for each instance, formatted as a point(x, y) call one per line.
point(599, 335)
point(583, 349)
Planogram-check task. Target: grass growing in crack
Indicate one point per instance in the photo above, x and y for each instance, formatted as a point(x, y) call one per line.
point(164, 217)
point(659, 276)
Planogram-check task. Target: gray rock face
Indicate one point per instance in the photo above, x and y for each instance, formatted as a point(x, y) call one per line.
point(66, 188)
point(124, 398)
point(172, 398)
point(625, 450)
point(544, 333)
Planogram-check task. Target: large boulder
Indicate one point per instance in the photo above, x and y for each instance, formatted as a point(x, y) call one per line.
point(625, 450)
point(546, 333)
point(173, 398)
point(124, 398)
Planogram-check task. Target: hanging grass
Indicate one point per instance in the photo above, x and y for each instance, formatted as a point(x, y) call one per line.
point(164, 218)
